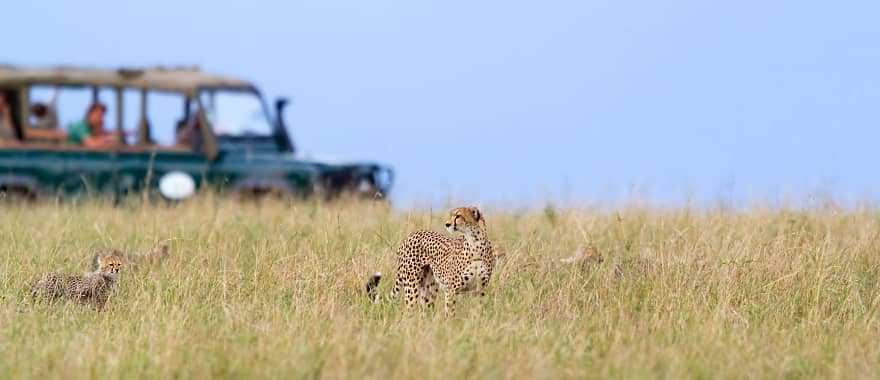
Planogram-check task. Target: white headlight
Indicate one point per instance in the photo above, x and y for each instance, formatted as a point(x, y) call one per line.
point(364, 186)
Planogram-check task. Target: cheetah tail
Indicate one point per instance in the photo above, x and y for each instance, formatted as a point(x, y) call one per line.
point(372, 287)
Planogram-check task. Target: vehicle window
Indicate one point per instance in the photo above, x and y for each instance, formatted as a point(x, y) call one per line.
point(165, 114)
point(236, 114)
point(69, 105)
point(58, 107)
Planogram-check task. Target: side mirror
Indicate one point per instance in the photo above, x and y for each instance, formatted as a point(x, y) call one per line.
point(280, 105)
point(283, 137)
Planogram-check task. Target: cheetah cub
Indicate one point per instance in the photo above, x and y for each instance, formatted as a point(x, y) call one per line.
point(153, 258)
point(90, 288)
point(427, 260)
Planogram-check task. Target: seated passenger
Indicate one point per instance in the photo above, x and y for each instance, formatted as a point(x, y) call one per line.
point(45, 113)
point(7, 128)
point(191, 134)
point(45, 125)
point(45, 116)
point(90, 132)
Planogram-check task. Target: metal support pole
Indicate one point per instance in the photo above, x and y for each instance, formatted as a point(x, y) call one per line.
point(143, 123)
point(120, 113)
point(24, 111)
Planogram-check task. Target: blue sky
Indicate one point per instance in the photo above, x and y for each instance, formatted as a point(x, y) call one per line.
point(520, 103)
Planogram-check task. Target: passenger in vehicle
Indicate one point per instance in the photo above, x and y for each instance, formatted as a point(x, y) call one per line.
point(7, 128)
point(191, 135)
point(90, 131)
point(45, 116)
point(45, 113)
point(45, 126)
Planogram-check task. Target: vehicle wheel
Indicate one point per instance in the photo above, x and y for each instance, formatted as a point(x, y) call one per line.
point(259, 194)
point(16, 194)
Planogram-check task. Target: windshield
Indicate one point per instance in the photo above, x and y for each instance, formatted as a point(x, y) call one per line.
point(236, 114)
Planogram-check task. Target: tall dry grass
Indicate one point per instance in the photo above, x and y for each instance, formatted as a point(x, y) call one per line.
point(274, 291)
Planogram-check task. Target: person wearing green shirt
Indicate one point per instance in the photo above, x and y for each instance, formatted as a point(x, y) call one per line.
point(90, 132)
point(78, 132)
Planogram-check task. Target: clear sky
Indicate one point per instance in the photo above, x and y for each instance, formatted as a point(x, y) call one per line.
point(520, 102)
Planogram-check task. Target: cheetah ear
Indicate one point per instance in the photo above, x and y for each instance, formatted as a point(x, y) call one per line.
point(476, 212)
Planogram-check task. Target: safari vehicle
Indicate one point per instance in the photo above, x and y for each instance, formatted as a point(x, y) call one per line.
point(233, 143)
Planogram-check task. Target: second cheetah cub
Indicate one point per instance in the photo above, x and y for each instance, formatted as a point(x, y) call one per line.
point(153, 258)
point(428, 259)
point(90, 288)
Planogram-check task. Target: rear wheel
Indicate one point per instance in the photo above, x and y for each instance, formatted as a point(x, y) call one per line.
point(13, 194)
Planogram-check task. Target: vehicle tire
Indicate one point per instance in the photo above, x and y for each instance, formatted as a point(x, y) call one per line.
point(16, 194)
point(257, 194)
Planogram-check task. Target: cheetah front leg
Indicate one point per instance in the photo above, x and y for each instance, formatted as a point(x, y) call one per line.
point(484, 277)
point(450, 291)
point(449, 306)
point(99, 303)
point(477, 278)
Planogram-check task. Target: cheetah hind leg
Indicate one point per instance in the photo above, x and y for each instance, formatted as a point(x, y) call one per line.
point(47, 289)
point(404, 281)
point(410, 291)
point(428, 287)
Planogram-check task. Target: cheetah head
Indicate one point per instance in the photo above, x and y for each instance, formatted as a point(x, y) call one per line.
point(465, 220)
point(110, 263)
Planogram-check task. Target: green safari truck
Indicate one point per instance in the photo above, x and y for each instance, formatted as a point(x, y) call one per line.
point(68, 131)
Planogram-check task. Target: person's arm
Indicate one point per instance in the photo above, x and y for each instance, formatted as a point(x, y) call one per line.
point(104, 141)
point(93, 142)
point(54, 135)
point(6, 119)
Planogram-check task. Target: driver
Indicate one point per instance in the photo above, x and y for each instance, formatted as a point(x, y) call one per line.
point(191, 135)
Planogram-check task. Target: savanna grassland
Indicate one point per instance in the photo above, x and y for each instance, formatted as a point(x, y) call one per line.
point(274, 290)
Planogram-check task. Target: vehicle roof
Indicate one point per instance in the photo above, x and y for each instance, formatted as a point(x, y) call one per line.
point(170, 79)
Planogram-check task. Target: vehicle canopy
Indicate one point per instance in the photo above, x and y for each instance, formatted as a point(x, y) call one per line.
point(188, 82)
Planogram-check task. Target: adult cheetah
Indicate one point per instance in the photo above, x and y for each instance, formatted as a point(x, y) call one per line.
point(427, 260)
point(93, 287)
